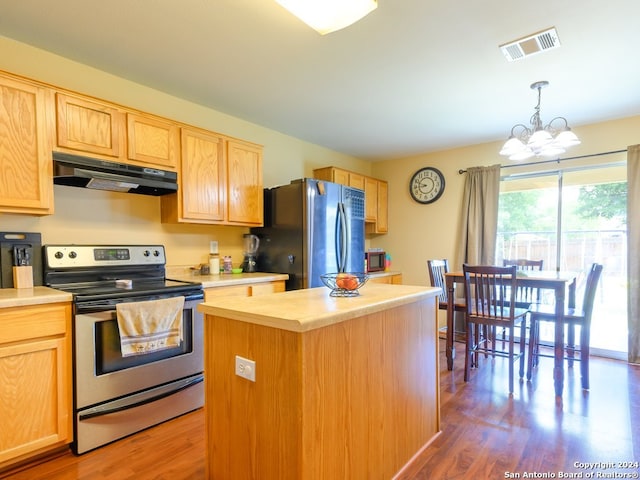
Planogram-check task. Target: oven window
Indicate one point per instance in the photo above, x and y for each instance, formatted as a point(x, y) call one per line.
point(109, 357)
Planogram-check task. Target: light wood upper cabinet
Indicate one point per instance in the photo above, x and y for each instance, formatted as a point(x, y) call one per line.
point(219, 182)
point(381, 224)
point(375, 194)
point(35, 374)
point(356, 180)
point(244, 187)
point(26, 181)
point(338, 175)
point(370, 199)
point(153, 141)
point(201, 195)
point(87, 126)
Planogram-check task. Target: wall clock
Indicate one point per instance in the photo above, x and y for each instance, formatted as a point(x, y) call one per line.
point(427, 185)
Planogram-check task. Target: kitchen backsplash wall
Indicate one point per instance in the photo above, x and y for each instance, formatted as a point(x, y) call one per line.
point(93, 216)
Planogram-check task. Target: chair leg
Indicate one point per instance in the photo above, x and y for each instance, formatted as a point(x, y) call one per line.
point(584, 356)
point(571, 343)
point(511, 344)
point(536, 344)
point(532, 348)
point(523, 333)
point(468, 352)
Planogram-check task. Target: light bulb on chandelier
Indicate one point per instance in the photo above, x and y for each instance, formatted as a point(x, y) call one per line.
point(536, 140)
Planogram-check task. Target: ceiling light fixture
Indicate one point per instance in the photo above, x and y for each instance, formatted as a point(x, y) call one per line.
point(552, 139)
point(326, 16)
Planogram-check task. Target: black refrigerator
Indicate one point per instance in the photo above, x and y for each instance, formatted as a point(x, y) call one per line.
point(312, 227)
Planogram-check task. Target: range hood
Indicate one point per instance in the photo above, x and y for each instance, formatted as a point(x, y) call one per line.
point(85, 172)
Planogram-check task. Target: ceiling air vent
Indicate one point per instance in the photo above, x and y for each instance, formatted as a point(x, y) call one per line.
point(531, 44)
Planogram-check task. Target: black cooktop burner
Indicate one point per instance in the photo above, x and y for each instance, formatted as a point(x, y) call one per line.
point(120, 287)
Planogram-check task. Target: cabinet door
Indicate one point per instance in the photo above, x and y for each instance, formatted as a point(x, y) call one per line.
point(35, 380)
point(267, 287)
point(35, 408)
point(88, 126)
point(26, 181)
point(202, 177)
point(244, 176)
point(231, 291)
point(152, 141)
point(371, 199)
point(356, 180)
point(382, 222)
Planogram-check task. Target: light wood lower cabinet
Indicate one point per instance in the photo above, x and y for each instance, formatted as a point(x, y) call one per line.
point(35, 380)
point(26, 178)
point(244, 290)
point(395, 279)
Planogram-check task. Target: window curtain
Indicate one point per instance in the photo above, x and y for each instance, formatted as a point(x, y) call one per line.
point(633, 247)
point(479, 220)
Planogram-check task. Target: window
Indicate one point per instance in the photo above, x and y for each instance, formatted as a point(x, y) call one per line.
point(571, 219)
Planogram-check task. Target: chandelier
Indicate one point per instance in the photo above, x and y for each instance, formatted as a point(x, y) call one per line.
point(326, 16)
point(552, 139)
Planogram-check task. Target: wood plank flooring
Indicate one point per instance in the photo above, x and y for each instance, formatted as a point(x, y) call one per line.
point(486, 434)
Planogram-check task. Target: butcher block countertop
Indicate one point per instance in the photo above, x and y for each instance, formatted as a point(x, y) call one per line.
point(18, 297)
point(304, 310)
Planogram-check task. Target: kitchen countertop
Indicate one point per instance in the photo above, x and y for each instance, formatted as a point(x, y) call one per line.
point(227, 279)
point(303, 310)
point(18, 297)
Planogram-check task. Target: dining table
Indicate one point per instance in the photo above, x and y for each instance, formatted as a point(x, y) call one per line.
point(563, 286)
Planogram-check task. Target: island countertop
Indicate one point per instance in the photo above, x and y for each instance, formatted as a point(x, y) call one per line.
point(308, 309)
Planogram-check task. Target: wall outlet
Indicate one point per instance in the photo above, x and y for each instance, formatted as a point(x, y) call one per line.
point(245, 368)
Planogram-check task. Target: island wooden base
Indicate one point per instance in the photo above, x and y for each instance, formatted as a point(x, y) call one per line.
point(352, 400)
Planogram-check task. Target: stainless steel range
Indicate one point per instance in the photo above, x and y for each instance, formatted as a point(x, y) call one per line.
point(115, 394)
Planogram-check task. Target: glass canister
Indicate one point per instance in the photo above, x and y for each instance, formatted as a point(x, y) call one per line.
point(214, 264)
point(227, 266)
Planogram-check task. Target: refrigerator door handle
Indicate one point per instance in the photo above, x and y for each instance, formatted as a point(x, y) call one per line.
point(341, 240)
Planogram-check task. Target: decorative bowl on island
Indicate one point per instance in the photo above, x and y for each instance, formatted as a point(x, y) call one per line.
point(344, 284)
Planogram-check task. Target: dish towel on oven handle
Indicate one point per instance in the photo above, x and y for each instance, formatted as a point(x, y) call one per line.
point(149, 326)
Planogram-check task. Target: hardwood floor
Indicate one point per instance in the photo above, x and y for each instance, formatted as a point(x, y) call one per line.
point(486, 434)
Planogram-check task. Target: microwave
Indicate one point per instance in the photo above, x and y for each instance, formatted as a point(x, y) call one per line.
point(375, 261)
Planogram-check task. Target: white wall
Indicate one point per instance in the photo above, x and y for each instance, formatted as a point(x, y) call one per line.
point(419, 232)
point(85, 216)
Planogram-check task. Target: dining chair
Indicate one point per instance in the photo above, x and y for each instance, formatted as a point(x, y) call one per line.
point(573, 317)
point(490, 302)
point(525, 296)
point(437, 269)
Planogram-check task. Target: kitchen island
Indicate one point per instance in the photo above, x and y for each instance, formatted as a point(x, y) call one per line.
point(344, 387)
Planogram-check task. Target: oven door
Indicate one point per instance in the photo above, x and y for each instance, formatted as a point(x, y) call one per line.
point(103, 374)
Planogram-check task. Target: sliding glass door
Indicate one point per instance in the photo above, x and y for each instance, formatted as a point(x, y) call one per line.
point(571, 219)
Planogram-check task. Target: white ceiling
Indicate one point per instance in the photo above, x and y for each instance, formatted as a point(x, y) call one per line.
point(414, 76)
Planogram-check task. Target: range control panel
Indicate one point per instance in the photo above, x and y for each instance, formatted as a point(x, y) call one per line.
point(69, 256)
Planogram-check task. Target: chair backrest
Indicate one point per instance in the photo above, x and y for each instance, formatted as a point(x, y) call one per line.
point(523, 264)
point(590, 291)
point(525, 296)
point(437, 269)
point(490, 291)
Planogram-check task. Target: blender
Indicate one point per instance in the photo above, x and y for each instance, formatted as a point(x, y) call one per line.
point(251, 244)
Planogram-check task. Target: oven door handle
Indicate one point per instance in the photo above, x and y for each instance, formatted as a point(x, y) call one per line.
point(140, 399)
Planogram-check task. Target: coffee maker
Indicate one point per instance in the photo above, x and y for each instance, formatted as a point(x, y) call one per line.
point(251, 244)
